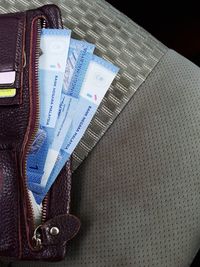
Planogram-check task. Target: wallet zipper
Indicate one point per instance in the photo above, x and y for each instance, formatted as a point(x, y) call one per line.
point(36, 242)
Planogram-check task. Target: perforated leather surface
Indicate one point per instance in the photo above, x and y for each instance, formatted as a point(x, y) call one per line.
point(138, 191)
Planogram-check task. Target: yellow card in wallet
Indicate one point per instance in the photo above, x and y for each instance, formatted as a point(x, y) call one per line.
point(7, 92)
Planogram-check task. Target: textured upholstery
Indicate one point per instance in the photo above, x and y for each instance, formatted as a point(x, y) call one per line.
point(119, 40)
point(137, 192)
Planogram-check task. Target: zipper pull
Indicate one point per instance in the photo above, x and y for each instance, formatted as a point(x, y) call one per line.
point(56, 231)
point(37, 238)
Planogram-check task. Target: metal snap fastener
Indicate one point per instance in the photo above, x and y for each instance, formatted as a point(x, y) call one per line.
point(54, 231)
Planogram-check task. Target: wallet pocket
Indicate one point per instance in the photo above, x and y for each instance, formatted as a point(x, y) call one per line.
point(12, 55)
point(42, 244)
point(20, 235)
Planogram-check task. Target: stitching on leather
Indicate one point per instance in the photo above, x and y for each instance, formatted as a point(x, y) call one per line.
point(69, 174)
point(26, 137)
point(20, 31)
point(19, 207)
point(22, 60)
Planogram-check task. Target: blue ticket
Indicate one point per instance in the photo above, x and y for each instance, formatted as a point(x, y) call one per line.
point(52, 62)
point(97, 81)
point(80, 53)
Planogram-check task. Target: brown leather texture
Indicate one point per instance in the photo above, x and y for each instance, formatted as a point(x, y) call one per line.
point(9, 204)
point(11, 44)
point(15, 117)
point(12, 40)
point(64, 233)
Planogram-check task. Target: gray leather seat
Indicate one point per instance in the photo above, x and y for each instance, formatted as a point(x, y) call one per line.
point(137, 192)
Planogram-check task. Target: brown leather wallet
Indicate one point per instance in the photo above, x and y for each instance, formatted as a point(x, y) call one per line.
point(19, 117)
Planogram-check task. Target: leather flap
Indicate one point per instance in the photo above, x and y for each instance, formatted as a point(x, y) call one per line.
point(12, 57)
point(12, 47)
point(66, 227)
